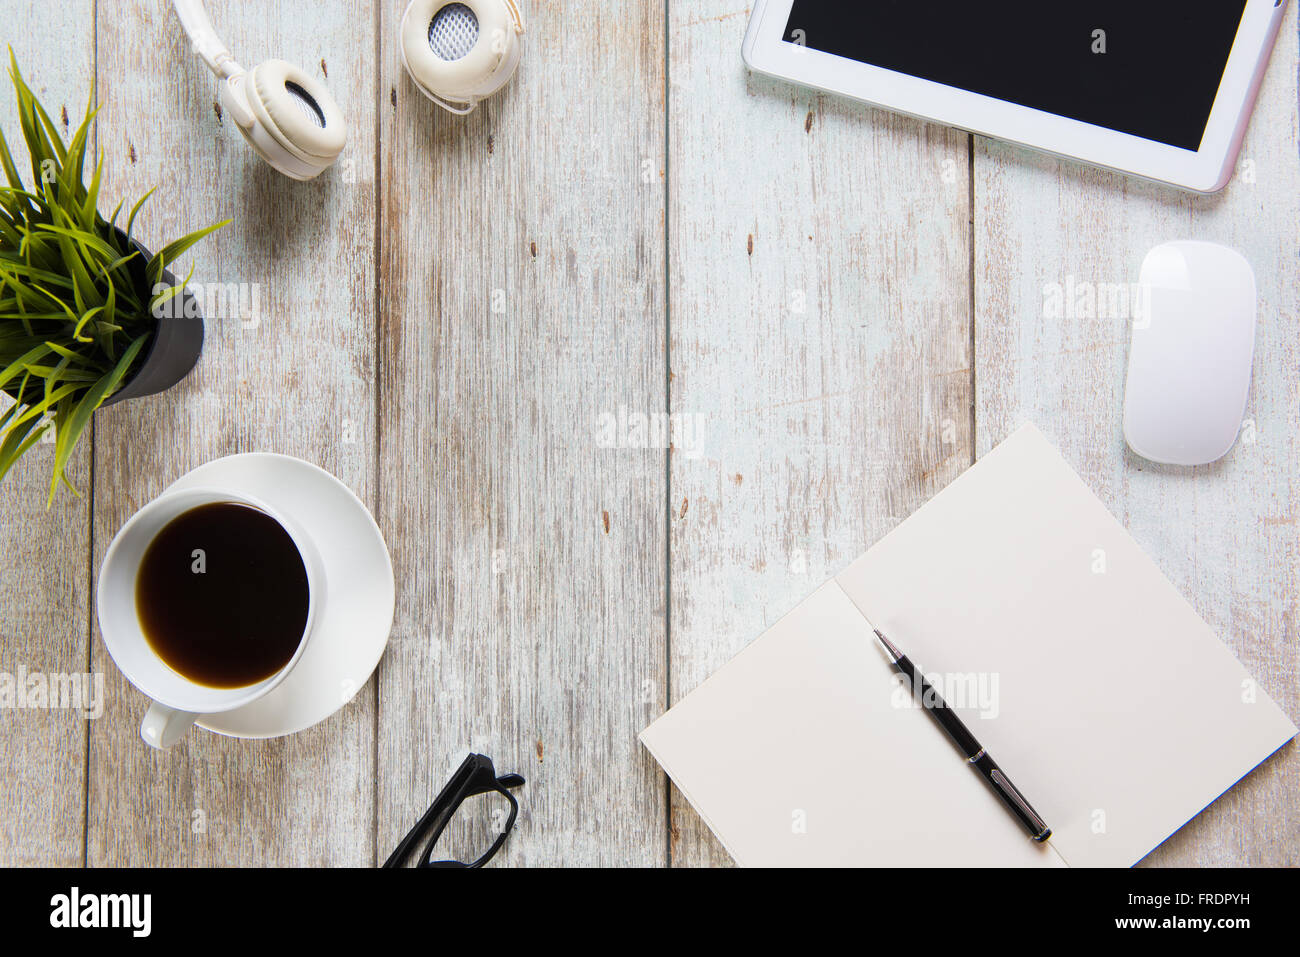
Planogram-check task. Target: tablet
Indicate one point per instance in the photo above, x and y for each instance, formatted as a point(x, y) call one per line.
point(1161, 89)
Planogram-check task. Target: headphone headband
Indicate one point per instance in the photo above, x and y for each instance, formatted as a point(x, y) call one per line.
point(518, 17)
point(210, 48)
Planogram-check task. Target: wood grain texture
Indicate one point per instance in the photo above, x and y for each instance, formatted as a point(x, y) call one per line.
point(1225, 534)
point(296, 379)
point(521, 283)
point(44, 555)
point(820, 317)
point(481, 325)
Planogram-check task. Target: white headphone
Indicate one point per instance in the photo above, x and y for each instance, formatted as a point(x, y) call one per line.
point(287, 115)
point(460, 51)
point(457, 52)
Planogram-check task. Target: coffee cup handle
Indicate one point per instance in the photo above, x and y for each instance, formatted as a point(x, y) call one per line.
point(163, 726)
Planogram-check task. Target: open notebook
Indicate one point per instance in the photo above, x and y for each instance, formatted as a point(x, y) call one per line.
point(1105, 697)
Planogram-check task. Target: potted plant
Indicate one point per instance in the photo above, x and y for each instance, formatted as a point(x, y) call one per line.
point(87, 316)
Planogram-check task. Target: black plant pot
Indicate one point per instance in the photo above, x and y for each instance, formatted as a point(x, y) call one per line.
point(174, 349)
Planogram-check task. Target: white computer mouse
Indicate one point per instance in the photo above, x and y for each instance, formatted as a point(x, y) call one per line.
point(1193, 344)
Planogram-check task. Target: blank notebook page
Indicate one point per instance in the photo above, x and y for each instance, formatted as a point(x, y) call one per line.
point(1116, 711)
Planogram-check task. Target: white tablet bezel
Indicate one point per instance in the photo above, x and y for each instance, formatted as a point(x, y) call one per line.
point(1206, 170)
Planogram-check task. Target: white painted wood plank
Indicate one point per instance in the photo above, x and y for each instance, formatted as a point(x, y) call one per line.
point(820, 321)
point(1226, 534)
point(522, 287)
point(299, 381)
point(44, 555)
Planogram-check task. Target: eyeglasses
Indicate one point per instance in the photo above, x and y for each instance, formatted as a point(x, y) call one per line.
point(475, 776)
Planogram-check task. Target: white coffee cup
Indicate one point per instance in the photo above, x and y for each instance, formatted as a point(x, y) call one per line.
point(177, 702)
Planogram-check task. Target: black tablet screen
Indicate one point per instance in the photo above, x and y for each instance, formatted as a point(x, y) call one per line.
point(1150, 68)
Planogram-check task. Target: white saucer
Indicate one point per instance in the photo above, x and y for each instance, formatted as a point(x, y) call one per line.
point(356, 616)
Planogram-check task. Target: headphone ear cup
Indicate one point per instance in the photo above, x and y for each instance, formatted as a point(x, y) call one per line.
point(461, 50)
point(297, 110)
point(234, 97)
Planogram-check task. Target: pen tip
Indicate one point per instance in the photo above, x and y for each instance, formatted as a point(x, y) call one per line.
point(888, 645)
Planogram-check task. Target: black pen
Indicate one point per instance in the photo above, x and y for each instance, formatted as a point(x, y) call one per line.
point(976, 756)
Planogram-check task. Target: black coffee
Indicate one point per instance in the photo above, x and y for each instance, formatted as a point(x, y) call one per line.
point(222, 595)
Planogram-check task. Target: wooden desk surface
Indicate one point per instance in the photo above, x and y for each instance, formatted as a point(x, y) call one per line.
point(842, 308)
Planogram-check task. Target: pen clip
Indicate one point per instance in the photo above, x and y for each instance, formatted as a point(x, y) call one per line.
point(1036, 824)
